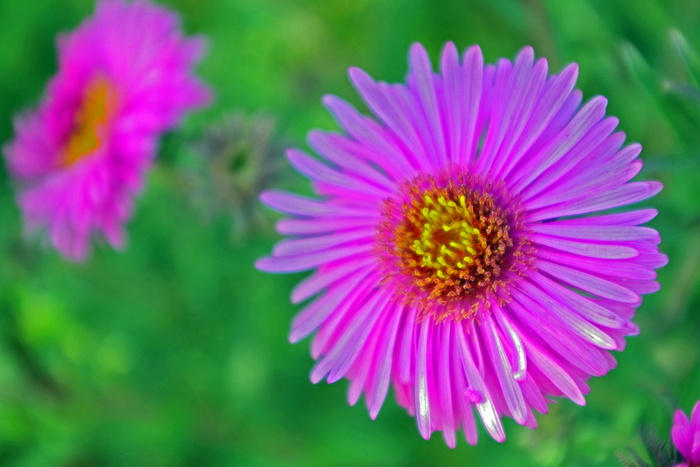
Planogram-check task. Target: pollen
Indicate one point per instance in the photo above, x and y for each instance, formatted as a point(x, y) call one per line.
point(91, 122)
point(449, 243)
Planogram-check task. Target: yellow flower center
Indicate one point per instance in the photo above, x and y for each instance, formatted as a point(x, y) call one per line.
point(448, 243)
point(91, 121)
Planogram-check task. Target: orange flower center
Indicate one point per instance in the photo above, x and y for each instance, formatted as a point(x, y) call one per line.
point(91, 122)
point(452, 241)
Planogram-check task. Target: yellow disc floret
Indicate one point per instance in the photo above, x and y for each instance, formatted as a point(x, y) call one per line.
point(448, 240)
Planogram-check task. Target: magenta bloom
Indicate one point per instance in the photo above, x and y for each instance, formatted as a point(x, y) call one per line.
point(463, 247)
point(686, 436)
point(124, 77)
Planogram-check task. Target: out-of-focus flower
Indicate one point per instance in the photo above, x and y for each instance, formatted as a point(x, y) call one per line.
point(686, 436)
point(239, 161)
point(463, 245)
point(124, 77)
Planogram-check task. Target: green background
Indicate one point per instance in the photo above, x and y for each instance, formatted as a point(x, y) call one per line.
point(174, 351)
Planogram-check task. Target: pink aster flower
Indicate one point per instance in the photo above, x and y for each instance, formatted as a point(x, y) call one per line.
point(463, 245)
point(686, 436)
point(124, 77)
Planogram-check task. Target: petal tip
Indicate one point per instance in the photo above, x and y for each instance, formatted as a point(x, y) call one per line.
point(263, 264)
point(357, 74)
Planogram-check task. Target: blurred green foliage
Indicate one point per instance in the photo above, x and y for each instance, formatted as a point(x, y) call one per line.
point(174, 352)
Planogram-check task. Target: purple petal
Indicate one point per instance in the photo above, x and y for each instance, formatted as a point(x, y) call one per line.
point(328, 276)
point(349, 155)
point(589, 282)
point(569, 318)
point(321, 225)
point(345, 293)
point(301, 262)
point(368, 133)
point(422, 392)
point(550, 102)
point(626, 194)
point(487, 411)
point(499, 359)
point(621, 219)
point(318, 171)
point(303, 206)
point(378, 391)
point(317, 243)
point(558, 376)
point(343, 354)
point(610, 233)
point(568, 138)
point(430, 125)
point(592, 250)
point(472, 81)
point(445, 391)
point(387, 105)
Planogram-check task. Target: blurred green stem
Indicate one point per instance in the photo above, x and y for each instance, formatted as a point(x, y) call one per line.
point(677, 300)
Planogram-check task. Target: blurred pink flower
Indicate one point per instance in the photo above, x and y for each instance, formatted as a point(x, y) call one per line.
point(686, 436)
point(124, 76)
point(458, 243)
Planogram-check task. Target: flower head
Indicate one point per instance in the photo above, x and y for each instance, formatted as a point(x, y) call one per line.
point(686, 436)
point(463, 245)
point(237, 160)
point(124, 77)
